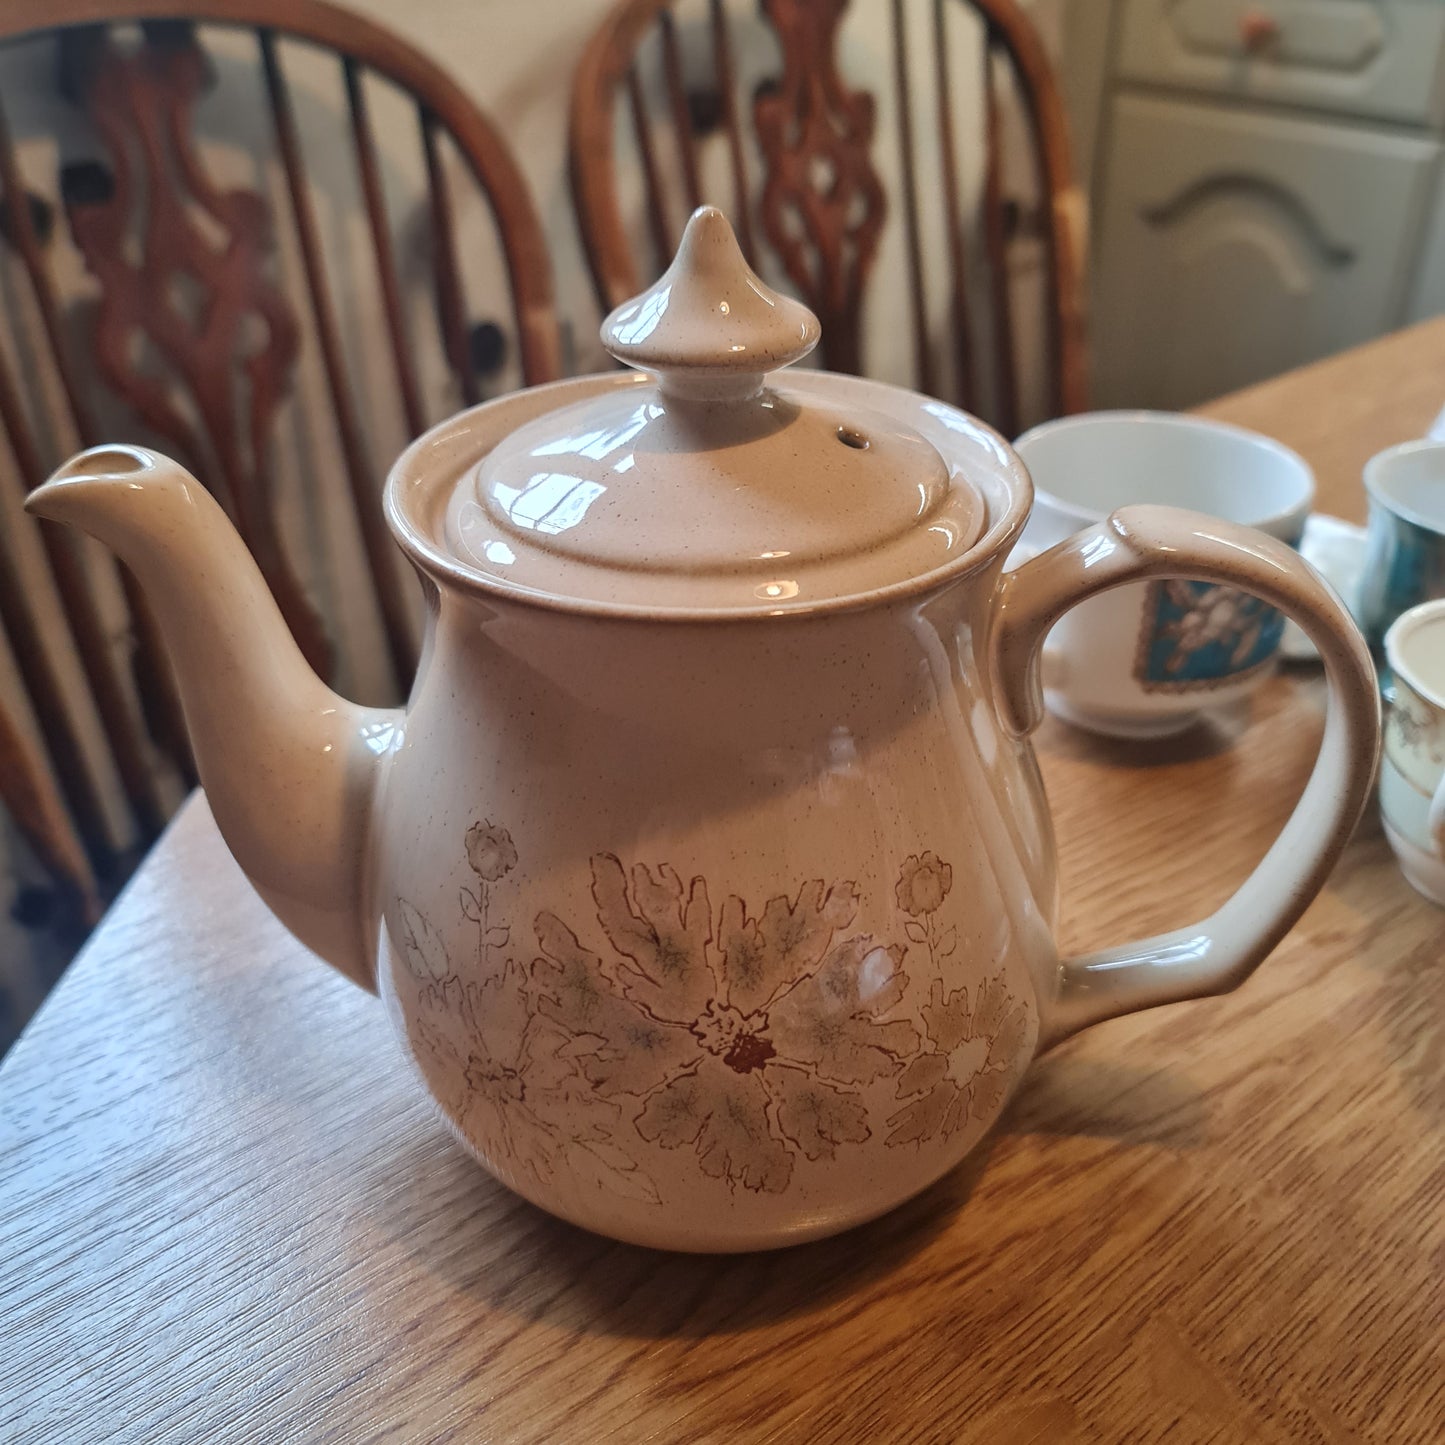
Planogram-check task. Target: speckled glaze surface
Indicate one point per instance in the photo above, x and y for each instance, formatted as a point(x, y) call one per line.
point(714, 481)
point(1412, 771)
point(722, 920)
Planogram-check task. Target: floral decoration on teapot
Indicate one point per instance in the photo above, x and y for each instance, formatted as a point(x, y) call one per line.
point(745, 1038)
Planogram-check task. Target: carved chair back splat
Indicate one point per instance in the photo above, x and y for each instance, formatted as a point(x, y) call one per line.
point(152, 293)
point(809, 185)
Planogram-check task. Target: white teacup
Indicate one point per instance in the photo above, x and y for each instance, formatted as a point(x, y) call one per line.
point(1143, 660)
point(1412, 768)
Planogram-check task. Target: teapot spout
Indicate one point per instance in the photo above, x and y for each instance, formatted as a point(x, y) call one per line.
point(290, 769)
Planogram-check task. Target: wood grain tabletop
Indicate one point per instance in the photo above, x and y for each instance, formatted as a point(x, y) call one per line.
point(228, 1214)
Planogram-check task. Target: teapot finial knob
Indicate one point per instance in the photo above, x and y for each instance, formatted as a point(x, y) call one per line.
point(710, 326)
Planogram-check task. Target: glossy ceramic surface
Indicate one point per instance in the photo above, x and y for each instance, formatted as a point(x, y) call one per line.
point(1412, 771)
point(718, 927)
point(700, 486)
point(1142, 661)
point(1405, 545)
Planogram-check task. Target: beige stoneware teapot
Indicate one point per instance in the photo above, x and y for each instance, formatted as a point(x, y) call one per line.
point(707, 875)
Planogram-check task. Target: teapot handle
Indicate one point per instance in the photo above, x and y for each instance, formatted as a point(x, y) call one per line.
point(1219, 953)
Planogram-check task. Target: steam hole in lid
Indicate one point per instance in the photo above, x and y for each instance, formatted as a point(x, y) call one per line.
point(851, 438)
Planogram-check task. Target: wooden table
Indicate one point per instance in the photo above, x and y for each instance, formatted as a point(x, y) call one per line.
point(227, 1213)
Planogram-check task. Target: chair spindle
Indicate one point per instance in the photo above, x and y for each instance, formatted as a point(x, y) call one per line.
point(1006, 409)
point(39, 812)
point(71, 583)
point(725, 73)
point(681, 116)
point(961, 322)
point(42, 686)
point(381, 245)
point(922, 352)
point(450, 304)
point(662, 243)
point(364, 490)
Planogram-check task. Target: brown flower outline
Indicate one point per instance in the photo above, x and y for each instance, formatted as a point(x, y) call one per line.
point(524, 1101)
point(491, 855)
point(924, 882)
point(747, 1039)
point(966, 1067)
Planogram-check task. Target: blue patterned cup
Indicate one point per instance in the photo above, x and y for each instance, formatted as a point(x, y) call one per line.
point(1405, 549)
point(1143, 661)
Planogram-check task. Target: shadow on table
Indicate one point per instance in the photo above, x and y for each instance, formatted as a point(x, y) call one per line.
point(461, 1226)
point(1218, 728)
point(483, 1241)
point(1211, 734)
point(1067, 1095)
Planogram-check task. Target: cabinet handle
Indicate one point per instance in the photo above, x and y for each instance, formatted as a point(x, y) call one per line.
point(1258, 30)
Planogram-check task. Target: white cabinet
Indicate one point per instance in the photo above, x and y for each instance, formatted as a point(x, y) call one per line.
point(1268, 186)
point(1234, 244)
point(1360, 57)
point(1427, 295)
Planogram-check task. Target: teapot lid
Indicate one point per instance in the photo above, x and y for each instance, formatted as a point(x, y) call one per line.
point(717, 486)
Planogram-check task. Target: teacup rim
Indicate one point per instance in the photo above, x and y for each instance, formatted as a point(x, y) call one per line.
point(1372, 467)
point(1186, 420)
point(1406, 623)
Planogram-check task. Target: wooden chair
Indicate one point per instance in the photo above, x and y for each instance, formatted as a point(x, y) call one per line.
point(208, 293)
point(33, 801)
point(804, 181)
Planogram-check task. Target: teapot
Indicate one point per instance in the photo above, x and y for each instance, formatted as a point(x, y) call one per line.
point(707, 876)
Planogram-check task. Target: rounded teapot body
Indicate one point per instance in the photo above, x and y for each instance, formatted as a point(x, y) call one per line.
point(714, 936)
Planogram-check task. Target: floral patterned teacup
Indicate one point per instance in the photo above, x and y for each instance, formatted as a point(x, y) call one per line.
point(1141, 662)
point(1412, 770)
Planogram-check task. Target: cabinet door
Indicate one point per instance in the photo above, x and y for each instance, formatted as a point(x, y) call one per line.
point(1427, 297)
point(1234, 245)
point(1363, 57)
